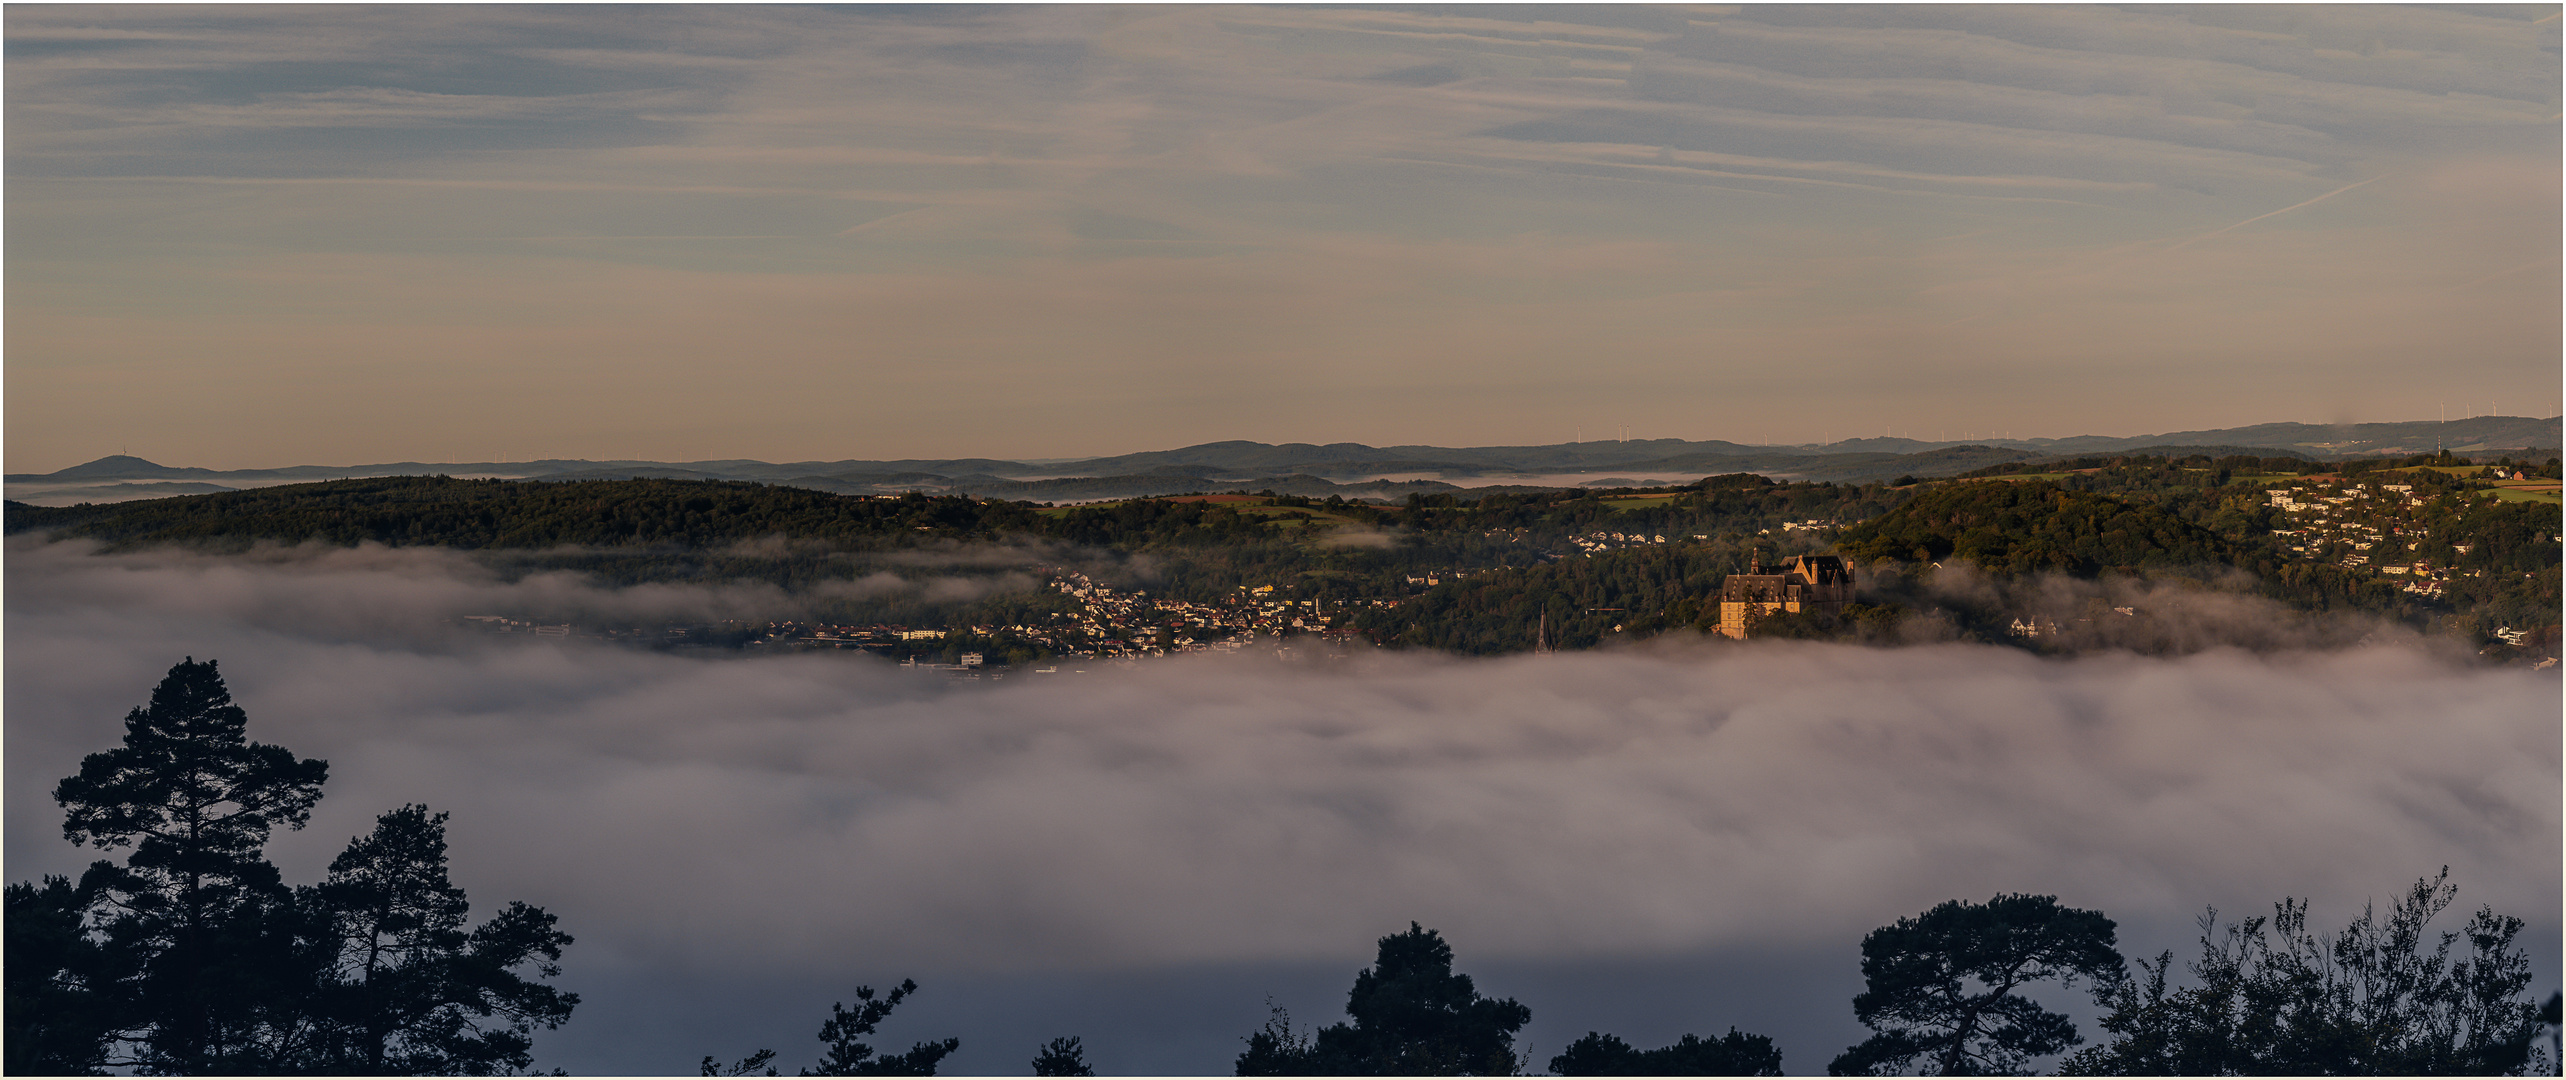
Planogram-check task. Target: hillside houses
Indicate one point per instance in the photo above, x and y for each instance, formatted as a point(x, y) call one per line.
point(2360, 525)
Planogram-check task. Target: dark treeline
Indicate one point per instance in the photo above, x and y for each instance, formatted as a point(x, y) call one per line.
point(193, 957)
point(621, 533)
point(845, 1053)
point(1947, 993)
point(477, 514)
point(1944, 995)
point(644, 517)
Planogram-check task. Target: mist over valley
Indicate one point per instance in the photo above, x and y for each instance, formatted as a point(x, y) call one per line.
point(1138, 771)
point(1283, 540)
point(1624, 838)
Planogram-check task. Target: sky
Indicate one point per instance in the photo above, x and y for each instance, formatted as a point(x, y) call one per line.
point(254, 237)
point(1645, 841)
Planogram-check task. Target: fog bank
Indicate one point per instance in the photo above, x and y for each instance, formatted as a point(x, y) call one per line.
point(1233, 826)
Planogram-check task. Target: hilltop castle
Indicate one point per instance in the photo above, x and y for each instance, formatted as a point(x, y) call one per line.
point(1816, 583)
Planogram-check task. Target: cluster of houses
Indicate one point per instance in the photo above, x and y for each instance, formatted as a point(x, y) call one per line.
point(1814, 584)
point(2032, 626)
point(1601, 540)
point(2360, 525)
point(1109, 623)
point(1112, 622)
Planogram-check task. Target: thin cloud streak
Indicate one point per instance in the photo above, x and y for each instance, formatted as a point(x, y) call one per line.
point(2275, 213)
point(1796, 150)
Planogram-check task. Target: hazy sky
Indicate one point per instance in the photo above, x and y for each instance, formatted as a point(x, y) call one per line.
point(245, 237)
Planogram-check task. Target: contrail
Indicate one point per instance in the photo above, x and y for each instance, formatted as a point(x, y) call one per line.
point(2283, 210)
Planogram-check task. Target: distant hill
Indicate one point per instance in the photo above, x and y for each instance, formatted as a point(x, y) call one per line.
point(2345, 440)
point(1346, 468)
point(120, 467)
point(127, 492)
point(2212, 452)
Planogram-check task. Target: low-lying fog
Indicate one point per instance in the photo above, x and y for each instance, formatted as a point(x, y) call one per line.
point(1646, 841)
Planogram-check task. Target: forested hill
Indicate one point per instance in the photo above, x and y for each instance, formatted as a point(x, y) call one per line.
point(2017, 527)
point(477, 514)
point(2432, 542)
point(480, 514)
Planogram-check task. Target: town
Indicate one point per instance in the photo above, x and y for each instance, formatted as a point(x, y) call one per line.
point(2379, 526)
point(2457, 549)
point(2367, 525)
point(1107, 625)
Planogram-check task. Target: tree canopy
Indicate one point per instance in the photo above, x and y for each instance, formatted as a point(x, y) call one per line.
point(1063, 1057)
point(194, 956)
point(411, 990)
point(848, 1055)
point(2382, 997)
point(200, 927)
point(1412, 1015)
point(1735, 1054)
point(1941, 987)
point(844, 1051)
point(2017, 527)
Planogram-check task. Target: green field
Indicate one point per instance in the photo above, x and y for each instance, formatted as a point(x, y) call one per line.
point(1637, 502)
point(1291, 515)
point(2515, 494)
point(2535, 491)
